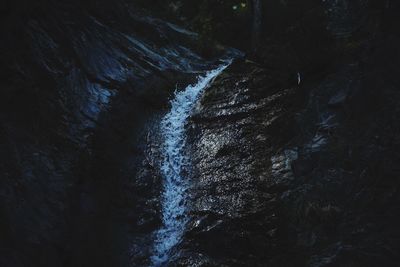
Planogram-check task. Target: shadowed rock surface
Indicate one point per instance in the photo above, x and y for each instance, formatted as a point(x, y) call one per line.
point(295, 148)
point(301, 175)
point(79, 80)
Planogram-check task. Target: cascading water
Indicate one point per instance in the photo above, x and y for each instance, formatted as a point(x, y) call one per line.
point(174, 162)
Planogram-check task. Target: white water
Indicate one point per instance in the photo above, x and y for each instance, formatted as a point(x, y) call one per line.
point(173, 165)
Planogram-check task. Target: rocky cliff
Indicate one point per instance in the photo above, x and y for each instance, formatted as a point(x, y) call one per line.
point(301, 172)
point(79, 81)
point(294, 148)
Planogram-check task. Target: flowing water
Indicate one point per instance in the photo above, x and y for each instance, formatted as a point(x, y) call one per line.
point(173, 166)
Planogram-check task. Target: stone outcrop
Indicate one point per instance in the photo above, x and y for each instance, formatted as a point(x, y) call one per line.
point(295, 148)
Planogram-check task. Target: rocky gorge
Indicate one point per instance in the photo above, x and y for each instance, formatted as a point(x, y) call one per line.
point(289, 155)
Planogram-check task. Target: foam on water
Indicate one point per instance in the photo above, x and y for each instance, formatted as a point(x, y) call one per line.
point(173, 165)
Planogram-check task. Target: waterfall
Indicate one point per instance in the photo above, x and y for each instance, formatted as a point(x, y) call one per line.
point(174, 162)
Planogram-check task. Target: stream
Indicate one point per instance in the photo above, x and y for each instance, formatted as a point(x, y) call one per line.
point(174, 201)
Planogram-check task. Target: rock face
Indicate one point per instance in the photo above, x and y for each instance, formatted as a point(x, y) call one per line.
point(239, 126)
point(295, 149)
point(78, 82)
point(288, 175)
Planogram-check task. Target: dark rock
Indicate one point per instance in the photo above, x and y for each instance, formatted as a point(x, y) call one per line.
point(79, 80)
point(284, 174)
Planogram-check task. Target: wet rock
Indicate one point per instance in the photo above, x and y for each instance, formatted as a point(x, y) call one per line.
point(80, 80)
point(309, 208)
point(231, 146)
point(281, 175)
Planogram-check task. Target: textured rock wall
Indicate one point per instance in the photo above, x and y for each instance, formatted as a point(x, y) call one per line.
point(285, 174)
point(302, 175)
point(243, 120)
point(78, 81)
